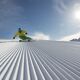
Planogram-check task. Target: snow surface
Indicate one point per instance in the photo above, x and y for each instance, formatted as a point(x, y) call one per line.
point(40, 60)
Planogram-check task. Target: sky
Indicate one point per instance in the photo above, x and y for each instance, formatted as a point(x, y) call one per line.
point(49, 19)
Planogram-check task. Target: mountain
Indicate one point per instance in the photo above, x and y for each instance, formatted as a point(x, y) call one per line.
point(76, 39)
point(39, 60)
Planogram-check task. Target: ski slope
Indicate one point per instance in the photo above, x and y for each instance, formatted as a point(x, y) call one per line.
point(39, 60)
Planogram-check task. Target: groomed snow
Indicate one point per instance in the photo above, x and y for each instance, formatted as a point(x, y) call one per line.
point(39, 60)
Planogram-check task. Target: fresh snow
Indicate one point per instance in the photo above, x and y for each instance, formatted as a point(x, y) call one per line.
point(39, 60)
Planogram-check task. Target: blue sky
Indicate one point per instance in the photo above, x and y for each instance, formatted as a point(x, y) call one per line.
point(55, 18)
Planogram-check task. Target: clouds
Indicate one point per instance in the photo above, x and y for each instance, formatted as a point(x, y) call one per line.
point(10, 13)
point(70, 37)
point(60, 6)
point(9, 10)
point(5, 1)
point(40, 36)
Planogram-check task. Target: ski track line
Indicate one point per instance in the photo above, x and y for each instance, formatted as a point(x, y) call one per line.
point(38, 61)
point(10, 53)
point(71, 72)
point(57, 70)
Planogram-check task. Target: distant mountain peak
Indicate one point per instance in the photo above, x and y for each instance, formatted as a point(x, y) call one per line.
point(76, 39)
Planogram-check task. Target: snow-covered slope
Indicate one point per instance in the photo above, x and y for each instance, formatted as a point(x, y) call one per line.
point(39, 60)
